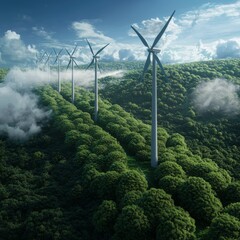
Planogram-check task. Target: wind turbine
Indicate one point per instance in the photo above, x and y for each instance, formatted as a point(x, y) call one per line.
point(57, 60)
point(47, 63)
point(39, 58)
point(95, 60)
point(72, 61)
point(152, 51)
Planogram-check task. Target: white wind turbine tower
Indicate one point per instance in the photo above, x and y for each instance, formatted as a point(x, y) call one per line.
point(153, 51)
point(57, 60)
point(72, 61)
point(95, 60)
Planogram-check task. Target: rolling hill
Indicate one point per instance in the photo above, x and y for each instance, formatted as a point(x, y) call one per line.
point(83, 180)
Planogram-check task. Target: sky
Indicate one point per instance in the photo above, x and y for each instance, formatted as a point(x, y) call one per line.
point(199, 30)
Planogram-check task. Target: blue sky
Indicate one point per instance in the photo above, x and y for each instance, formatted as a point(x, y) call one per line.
point(200, 30)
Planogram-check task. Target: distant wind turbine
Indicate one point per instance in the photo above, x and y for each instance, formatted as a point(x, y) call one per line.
point(153, 51)
point(57, 60)
point(48, 65)
point(72, 61)
point(95, 60)
point(39, 58)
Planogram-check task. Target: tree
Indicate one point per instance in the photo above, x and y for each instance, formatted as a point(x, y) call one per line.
point(105, 216)
point(209, 171)
point(175, 140)
point(116, 156)
point(131, 224)
point(232, 193)
point(197, 197)
point(171, 185)
point(154, 202)
point(89, 173)
point(72, 137)
point(131, 198)
point(129, 181)
point(104, 185)
point(85, 139)
point(169, 168)
point(118, 166)
point(224, 227)
point(168, 155)
point(175, 224)
point(46, 224)
point(233, 209)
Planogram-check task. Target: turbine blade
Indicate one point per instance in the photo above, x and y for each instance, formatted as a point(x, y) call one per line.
point(91, 63)
point(69, 63)
point(101, 49)
point(47, 60)
point(76, 63)
point(141, 37)
point(41, 58)
point(60, 52)
point(68, 52)
point(162, 31)
point(90, 47)
point(57, 55)
point(160, 65)
point(147, 63)
point(55, 51)
point(74, 50)
point(55, 60)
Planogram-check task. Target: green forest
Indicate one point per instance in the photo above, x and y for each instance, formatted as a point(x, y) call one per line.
point(82, 180)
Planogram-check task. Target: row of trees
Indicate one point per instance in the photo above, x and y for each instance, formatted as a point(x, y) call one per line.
point(111, 186)
point(197, 184)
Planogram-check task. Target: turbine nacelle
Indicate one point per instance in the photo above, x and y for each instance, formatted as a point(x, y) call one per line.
point(154, 50)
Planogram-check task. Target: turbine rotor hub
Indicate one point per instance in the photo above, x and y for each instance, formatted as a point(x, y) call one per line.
point(154, 50)
point(96, 57)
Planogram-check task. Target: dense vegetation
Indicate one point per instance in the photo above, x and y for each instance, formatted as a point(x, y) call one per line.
point(3, 72)
point(213, 134)
point(84, 180)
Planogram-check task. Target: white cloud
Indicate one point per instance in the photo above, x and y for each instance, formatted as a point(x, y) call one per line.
point(14, 51)
point(182, 41)
point(151, 27)
point(41, 32)
point(20, 115)
point(11, 35)
point(86, 77)
point(210, 23)
point(217, 95)
point(228, 49)
point(86, 30)
point(208, 12)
